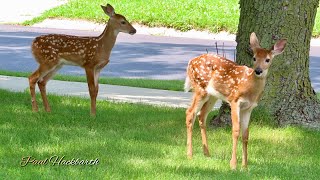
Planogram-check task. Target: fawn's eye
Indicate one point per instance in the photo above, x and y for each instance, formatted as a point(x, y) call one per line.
point(267, 60)
point(254, 59)
point(123, 22)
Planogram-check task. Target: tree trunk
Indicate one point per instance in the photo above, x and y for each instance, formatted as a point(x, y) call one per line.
point(288, 94)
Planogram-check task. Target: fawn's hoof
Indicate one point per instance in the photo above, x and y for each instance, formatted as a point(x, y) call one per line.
point(35, 109)
point(244, 166)
point(233, 165)
point(207, 154)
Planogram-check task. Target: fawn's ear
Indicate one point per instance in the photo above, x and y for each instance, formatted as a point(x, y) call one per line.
point(278, 48)
point(254, 42)
point(108, 10)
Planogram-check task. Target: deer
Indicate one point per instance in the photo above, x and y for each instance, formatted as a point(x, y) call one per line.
point(213, 77)
point(52, 51)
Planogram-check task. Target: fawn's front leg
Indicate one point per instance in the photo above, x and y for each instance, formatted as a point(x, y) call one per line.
point(92, 89)
point(244, 119)
point(96, 80)
point(235, 113)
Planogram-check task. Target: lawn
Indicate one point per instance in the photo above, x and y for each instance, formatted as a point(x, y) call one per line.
point(212, 15)
point(135, 141)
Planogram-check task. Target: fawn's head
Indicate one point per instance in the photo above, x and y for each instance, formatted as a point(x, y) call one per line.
point(263, 57)
point(117, 21)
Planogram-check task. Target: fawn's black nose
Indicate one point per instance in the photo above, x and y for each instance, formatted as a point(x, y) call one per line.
point(133, 31)
point(258, 71)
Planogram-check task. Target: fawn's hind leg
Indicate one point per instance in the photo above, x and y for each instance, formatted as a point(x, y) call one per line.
point(42, 86)
point(34, 78)
point(205, 110)
point(197, 103)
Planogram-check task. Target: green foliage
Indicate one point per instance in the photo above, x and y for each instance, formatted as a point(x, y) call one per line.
point(135, 141)
point(173, 85)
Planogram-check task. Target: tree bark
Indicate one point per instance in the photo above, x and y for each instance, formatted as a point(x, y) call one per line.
point(288, 95)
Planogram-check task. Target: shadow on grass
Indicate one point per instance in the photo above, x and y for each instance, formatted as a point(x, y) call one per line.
point(138, 141)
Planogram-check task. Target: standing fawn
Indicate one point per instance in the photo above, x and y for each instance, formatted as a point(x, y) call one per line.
point(91, 53)
point(213, 77)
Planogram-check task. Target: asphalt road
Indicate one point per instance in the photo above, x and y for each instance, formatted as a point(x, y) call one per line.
point(137, 56)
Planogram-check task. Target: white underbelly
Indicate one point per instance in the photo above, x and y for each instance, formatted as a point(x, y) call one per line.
point(66, 62)
point(213, 92)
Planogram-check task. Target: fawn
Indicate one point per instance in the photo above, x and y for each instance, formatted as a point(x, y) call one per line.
point(213, 77)
point(91, 53)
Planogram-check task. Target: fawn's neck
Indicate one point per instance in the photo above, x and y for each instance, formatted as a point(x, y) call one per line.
point(108, 37)
point(258, 83)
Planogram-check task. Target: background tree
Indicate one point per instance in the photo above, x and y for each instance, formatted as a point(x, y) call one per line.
point(288, 96)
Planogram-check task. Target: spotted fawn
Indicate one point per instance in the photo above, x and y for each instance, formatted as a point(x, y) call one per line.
point(91, 53)
point(213, 77)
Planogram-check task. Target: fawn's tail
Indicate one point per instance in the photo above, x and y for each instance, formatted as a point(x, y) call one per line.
point(187, 84)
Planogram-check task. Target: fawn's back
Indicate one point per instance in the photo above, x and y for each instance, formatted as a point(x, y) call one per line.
point(72, 50)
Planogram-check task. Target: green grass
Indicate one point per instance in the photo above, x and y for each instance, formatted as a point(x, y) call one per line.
point(212, 15)
point(173, 85)
point(134, 141)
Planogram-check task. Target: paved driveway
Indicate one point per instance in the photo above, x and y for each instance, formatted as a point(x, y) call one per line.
point(138, 56)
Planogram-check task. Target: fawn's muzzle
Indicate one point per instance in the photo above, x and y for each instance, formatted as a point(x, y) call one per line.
point(258, 71)
point(133, 31)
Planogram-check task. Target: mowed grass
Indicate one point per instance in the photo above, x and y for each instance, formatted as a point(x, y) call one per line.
point(135, 141)
point(212, 15)
point(172, 85)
